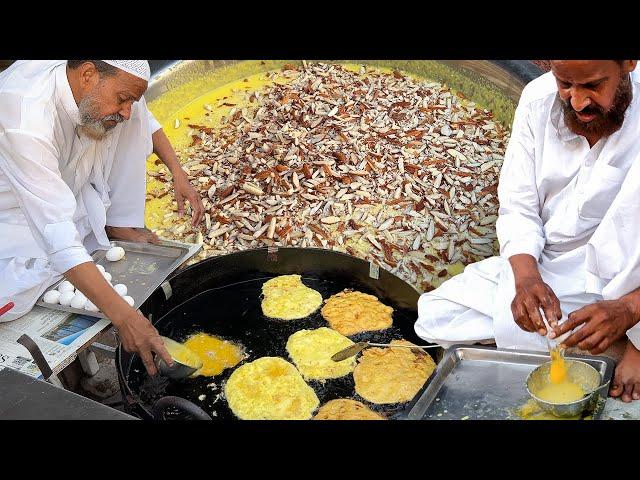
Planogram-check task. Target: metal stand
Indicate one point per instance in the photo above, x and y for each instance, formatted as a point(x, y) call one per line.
point(27, 342)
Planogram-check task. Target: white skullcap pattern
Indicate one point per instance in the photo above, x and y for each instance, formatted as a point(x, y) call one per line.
point(139, 68)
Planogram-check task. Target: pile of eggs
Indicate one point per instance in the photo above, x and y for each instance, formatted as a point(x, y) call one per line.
point(68, 295)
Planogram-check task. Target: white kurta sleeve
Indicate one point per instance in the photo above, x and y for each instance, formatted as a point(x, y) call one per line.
point(31, 166)
point(154, 125)
point(519, 227)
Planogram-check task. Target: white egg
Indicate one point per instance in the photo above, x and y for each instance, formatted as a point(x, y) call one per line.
point(107, 275)
point(128, 299)
point(89, 306)
point(52, 296)
point(121, 288)
point(65, 298)
point(114, 254)
point(78, 301)
point(66, 286)
point(100, 267)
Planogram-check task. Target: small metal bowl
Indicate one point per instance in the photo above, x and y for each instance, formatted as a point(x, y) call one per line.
point(580, 373)
point(179, 370)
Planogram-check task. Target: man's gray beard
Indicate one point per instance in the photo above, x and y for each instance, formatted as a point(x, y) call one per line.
point(89, 125)
point(94, 130)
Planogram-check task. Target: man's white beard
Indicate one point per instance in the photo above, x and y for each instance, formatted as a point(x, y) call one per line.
point(90, 126)
point(95, 130)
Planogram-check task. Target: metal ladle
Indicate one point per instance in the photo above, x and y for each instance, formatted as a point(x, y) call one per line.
point(178, 370)
point(358, 347)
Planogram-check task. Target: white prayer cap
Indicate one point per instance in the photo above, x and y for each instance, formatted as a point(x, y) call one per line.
point(139, 68)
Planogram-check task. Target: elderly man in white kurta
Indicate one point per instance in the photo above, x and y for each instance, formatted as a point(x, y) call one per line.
point(74, 137)
point(575, 136)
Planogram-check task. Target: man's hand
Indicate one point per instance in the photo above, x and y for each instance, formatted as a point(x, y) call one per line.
point(183, 190)
point(137, 335)
point(131, 234)
point(136, 332)
point(604, 323)
point(532, 294)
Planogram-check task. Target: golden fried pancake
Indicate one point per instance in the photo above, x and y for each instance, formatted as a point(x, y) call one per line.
point(216, 354)
point(270, 388)
point(392, 375)
point(311, 351)
point(354, 312)
point(345, 409)
point(287, 298)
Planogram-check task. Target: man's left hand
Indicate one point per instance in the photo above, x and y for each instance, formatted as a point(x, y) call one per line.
point(185, 191)
point(132, 234)
point(604, 323)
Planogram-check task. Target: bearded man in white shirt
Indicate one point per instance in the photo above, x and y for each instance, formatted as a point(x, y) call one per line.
point(565, 189)
point(74, 138)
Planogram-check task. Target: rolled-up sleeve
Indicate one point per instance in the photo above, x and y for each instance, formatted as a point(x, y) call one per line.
point(30, 164)
point(519, 227)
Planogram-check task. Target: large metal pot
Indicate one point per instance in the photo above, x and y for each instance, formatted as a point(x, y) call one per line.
point(494, 84)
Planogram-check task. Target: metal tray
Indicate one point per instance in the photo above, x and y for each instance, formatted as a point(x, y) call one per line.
point(144, 267)
point(486, 383)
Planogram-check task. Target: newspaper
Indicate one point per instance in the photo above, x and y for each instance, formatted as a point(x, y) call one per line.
point(58, 334)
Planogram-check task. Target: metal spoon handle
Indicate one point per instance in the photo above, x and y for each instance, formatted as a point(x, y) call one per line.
point(606, 384)
point(403, 346)
point(358, 347)
point(349, 351)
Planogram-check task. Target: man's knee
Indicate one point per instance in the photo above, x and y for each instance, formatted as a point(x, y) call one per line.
point(432, 308)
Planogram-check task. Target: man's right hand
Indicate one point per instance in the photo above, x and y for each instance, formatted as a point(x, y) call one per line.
point(136, 332)
point(138, 335)
point(532, 294)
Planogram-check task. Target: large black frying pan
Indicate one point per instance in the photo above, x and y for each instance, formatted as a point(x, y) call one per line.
point(221, 296)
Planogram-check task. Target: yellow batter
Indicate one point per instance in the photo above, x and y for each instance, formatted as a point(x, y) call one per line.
point(311, 352)
point(270, 388)
point(558, 371)
point(559, 389)
point(354, 312)
point(532, 411)
point(181, 353)
point(216, 354)
point(287, 298)
point(565, 392)
point(392, 375)
point(345, 409)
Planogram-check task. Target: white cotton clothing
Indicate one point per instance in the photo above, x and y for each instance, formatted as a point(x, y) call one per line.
point(58, 187)
point(554, 194)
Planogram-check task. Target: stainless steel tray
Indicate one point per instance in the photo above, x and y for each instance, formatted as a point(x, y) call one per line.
point(485, 383)
point(144, 267)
